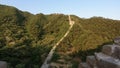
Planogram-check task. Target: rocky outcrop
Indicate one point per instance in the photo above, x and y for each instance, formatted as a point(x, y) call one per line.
point(108, 58)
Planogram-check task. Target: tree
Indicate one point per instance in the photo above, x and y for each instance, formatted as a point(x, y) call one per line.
point(34, 27)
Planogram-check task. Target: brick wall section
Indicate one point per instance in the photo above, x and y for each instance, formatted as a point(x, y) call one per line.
point(108, 58)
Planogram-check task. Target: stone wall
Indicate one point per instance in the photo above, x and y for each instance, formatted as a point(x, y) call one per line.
point(108, 58)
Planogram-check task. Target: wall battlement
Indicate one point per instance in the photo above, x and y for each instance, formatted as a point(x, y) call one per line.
point(108, 58)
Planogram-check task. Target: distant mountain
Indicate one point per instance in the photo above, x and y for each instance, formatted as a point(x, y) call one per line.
point(26, 39)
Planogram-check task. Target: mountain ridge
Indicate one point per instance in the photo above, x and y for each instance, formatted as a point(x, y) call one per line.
point(30, 37)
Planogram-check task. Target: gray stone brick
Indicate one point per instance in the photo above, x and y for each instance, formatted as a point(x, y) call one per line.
point(117, 40)
point(105, 61)
point(109, 49)
point(91, 61)
point(84, 65)
point(117, 53)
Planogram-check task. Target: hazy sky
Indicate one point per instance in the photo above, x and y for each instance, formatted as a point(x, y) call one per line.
point(81, 8)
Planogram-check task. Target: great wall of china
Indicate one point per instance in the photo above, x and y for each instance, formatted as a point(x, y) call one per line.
point(108, 58)
point(46, 64)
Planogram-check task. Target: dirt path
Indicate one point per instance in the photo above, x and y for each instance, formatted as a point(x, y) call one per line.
point(47, 60)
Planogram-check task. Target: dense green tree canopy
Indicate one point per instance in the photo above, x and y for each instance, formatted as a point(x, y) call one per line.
point(26, 39)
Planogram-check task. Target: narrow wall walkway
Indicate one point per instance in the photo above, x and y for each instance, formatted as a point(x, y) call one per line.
point(47, 60)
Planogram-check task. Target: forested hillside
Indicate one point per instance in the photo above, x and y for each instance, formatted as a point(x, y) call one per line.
point(26, 39)
point(87, 37)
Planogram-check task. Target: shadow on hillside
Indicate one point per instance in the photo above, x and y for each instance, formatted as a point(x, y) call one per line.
point(84, 54)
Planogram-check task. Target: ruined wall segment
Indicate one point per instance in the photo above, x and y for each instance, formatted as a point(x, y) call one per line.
point(108, 58)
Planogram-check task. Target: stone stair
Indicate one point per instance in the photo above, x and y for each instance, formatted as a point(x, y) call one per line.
point(108, 58)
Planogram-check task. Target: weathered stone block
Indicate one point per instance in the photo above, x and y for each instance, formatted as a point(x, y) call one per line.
point(84, 65)
point(105, 61)
point(3, 64)
point(109, 49)
point(91, 61)
point(117, 53)
point(117, 40)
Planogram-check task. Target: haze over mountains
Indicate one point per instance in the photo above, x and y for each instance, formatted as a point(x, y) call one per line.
point(26, 39)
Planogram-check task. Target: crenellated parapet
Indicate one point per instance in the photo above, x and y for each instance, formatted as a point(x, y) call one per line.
point(108, 58)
